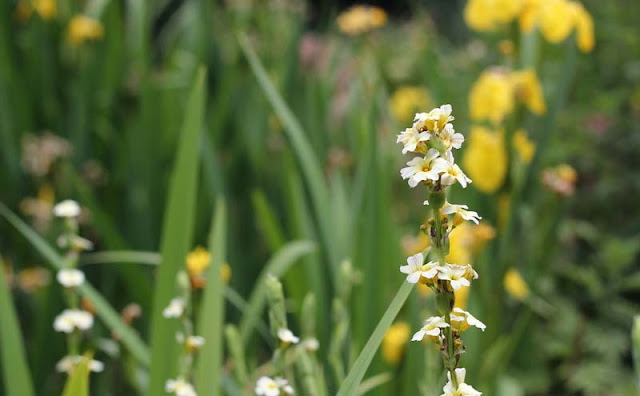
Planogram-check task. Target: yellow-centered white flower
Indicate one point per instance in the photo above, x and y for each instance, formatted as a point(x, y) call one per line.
point(464, 319)
point(432, 328)
point(463, 389)
point(67, 208)
point(411, 138)
point(415, 269)
point(67, 363)
point(424, 168)
point(287, 336)
point(453, 173)
point(175, 309)
point(179, 387)
point(267, 386)
point(450, 138)
point(71, 319)
point(455, 274)
point(462, 210)
point(70, 277)
point(435, 120)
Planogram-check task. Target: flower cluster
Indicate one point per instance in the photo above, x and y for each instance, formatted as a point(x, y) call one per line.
point(556, 19)
point(72, 321)
point(433, 136)
point(360, 19)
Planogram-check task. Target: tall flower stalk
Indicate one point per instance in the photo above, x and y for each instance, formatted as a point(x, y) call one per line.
point(433, 137)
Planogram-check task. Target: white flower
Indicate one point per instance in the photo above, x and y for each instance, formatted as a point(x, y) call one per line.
point(463, 389)
point(67, 208)
point(455, 274)
point(450, 138)
point(174, 309)
point(311, 344)
point(435, 120)
point(194, 343)
point(462, 316)
point(179, 387)
point(453, 173)
point(67, 363)
point(431, 328)
point(267, 387)
point(421, 169)
point(71, 319)
point(284, 385)
point(287, 337)
point(415, 269)
point(70, 277)
point(410, 138)
point(462, 210)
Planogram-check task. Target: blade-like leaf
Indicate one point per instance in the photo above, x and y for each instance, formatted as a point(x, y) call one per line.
point(211, 318)
point(78, 381)
point(352, 381)
point(277, 265)
point(121, 256)
point(310, 166)
point(176, 236)
point(17, 378)
point(109, 316)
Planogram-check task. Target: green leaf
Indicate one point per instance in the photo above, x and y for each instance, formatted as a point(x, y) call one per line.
point(211, 319)
point(78, 381)
point(109, 316)
point(17, 378)
point(277, 265)
point(121, 256)
point(267, 221)
point(176, 236)
point(352, 381)
point(310, 166)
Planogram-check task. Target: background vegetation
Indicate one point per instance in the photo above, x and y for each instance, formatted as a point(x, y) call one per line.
point(161, 112)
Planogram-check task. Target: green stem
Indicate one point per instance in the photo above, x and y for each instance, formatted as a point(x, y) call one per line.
point(450, 350)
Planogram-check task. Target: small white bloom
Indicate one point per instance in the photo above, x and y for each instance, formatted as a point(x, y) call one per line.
point(284, 385)
point(174, 309)
point(463, 389)
point(454, 274)
point(71, 319)
point(67, 363)
point(460, 315)
point(415, 269)
point(194, 342)
point(179, 387)
point(286, 336)
point(410, 138)
point(67, 208)
point(462, 210)
point(431, 328)
point(70, 277)
point(421, 169)
point(450, 138)
point(311, 344)
point(453, 173)
point(267, 387)
point(426, 202)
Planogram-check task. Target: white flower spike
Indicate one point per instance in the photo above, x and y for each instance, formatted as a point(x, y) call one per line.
point(67, 209)
point(70, 277)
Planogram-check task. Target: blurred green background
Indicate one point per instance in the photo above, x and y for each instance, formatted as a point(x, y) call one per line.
point(92, 109)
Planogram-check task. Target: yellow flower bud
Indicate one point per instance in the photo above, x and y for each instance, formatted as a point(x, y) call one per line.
point(524, 147)
point(491, 97)
point(485, 160)
point(82, 28)
point(406, 101)
point(515, 285)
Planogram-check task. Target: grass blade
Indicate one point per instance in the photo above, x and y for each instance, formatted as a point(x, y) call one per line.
point(176, 236)
point(277, 265)
point(109, 316)
point(352, 382)
point(15, 371)
point(121, 256)
point(78, 381)
point(306, 157)
point(211, 319)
